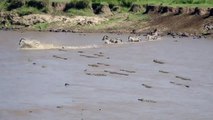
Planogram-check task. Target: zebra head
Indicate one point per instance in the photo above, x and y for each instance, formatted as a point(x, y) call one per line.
point(21, 40)
point(105, 37)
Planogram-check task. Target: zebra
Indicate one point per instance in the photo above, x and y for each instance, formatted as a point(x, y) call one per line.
point(134, 39)
point(208, 27)
point(153, 36)
point(24, 43)
point(108, 40)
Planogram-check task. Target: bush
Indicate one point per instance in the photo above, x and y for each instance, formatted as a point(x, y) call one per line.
point(184, 1)
point(82, 4)
point(127, 3)
point(209, 2)
point(27, 10)
point(3, 5)
point(82, 12)
point(42, 5)
point(41, 26)
point(95, 5)
point(15, 4)
point(78, 4)
point(199, 1)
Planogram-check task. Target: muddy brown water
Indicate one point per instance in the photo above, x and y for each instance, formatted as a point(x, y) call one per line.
point(105, 83)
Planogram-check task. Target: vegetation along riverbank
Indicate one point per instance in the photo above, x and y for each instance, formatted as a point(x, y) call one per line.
point(120, 16)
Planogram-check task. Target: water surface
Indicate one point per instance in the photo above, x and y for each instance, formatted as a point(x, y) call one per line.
point(105, 83)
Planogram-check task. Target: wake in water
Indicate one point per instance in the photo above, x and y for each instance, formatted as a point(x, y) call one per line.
point(28, 44)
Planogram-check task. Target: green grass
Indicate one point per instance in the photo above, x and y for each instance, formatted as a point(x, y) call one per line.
point(81, 7)
point(179, 2)
point(3, 6)
point(81, 12)
point(27, 10)
point(126, 2)
point(41, 26)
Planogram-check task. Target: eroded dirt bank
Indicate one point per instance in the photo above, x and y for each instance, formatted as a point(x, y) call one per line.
point(180, 19)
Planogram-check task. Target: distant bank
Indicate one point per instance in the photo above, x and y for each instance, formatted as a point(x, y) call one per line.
point(131, 16)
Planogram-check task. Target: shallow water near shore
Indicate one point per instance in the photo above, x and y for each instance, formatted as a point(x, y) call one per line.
point(108, 82)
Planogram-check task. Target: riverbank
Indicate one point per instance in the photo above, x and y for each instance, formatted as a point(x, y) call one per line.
point(109, 17)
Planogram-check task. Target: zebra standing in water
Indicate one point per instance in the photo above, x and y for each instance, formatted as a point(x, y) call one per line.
point(24, 43)
point(134, 39)
point(108, 40)
point(153, 36)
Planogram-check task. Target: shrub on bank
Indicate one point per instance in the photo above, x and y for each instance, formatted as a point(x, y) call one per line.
point(42, 5)
point(127, 3)
point(37, 4)
point(13, 4)
point(82, 4)
point(81, 12)
point(198, 1)
point(33, 6)
point(112, 3)
point(3, 5)
point(184, 1)
point(78, 4)
point(27, 10)
point(25, 7)
point(41, 26)
point(79, 7)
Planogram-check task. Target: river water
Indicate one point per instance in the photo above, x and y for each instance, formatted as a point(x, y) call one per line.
point(108, 82)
